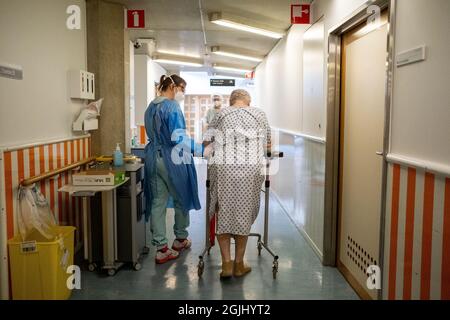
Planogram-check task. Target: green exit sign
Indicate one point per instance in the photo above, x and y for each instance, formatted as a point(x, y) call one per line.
point(222, 82)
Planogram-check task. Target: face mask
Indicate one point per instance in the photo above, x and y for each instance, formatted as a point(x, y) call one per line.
point(179, 96)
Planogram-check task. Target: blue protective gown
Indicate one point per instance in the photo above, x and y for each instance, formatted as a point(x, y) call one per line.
point(166, 130)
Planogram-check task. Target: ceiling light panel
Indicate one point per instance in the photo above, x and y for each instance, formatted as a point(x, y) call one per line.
point(232, 68)
point(177, 60)
point(243, 24)
point(235, 53)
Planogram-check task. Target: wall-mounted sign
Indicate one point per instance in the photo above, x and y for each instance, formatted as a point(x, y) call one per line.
point(300, 13)
point(411, 56)
point(250, 75)
point(222, 82)
point(135, 19)
point(11, 71)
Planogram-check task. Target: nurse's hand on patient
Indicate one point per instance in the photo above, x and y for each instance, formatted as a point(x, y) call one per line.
point(208, 150)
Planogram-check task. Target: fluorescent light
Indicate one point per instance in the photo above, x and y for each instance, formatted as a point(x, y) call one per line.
point(238, 24)
point(242, 27)
point(178, 53)
point(233, 53)
point(177, 60)
point(183, 63)
point(235, 69)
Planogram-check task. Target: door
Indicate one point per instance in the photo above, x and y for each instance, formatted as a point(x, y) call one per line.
point(363, 79)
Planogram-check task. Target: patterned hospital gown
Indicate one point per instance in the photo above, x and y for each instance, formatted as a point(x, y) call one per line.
point(236, 169)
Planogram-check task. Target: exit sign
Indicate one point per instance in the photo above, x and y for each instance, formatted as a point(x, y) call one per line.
point(222, 82)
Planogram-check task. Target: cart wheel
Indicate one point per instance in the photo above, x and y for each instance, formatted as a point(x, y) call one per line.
point(92, 267)
point(111, 272)
point(259, 248)
point(137, 266)
point(200, 268)
point(145, 250)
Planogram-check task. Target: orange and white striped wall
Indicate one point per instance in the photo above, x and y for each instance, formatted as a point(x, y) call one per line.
point(142, 135)
point(18, 163)
point(417, 234)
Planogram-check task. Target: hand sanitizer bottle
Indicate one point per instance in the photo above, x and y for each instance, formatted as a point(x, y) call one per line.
point(118, 157)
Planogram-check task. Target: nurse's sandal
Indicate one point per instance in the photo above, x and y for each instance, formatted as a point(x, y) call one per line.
point(165, 254)
point(181, 244)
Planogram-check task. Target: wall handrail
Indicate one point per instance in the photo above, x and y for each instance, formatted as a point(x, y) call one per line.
point(52, 173)
point(433, 167)
point(301, 135)
point(27, 145)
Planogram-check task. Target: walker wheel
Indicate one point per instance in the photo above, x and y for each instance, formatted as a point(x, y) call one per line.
point(92, 267)
point(200, 268)
point(259, 248)
point(111, 272)
point(137, 266)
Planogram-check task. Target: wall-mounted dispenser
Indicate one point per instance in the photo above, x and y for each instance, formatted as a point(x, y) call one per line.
point(88, 118)
point(81, 84)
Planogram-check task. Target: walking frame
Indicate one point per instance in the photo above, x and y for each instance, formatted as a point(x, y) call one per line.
point(263, 241)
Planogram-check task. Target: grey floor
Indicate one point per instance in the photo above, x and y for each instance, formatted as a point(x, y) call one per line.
point(300, 276)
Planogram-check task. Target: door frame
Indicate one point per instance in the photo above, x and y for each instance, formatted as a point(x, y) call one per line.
point(332, 153)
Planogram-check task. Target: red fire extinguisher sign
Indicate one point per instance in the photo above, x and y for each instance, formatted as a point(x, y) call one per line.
point(300, 14)
point(135, 19)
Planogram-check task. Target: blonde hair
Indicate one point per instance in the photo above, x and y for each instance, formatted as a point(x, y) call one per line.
point(240, 94)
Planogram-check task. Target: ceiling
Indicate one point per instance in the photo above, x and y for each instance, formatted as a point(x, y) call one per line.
point(176, 27)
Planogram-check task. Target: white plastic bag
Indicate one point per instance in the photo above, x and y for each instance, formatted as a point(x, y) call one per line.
point(91, 111)
point(35, 214)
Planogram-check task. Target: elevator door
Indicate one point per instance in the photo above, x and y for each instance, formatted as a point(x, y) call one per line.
point(364, 54)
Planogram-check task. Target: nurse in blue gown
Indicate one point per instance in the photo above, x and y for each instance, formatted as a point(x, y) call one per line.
point(169, 168)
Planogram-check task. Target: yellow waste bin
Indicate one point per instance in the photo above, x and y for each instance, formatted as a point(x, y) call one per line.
point(38, 267)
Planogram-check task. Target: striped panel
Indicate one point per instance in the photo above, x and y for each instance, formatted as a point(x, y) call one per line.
point(417, 241)
point(24, 163)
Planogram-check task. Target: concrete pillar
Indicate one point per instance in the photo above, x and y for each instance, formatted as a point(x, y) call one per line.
point(108, 57)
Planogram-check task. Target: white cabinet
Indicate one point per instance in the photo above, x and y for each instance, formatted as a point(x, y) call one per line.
point(81, 84)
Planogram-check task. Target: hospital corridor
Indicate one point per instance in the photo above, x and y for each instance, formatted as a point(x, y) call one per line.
point(225, 158)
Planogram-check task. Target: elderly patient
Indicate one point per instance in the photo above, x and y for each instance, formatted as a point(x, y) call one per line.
point(240, 136)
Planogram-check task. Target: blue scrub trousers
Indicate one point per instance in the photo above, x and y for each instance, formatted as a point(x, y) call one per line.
point(163, 188)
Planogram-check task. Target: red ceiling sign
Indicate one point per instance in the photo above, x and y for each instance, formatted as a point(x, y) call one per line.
point(250, 75)
point(300, 13)
point(135, 19)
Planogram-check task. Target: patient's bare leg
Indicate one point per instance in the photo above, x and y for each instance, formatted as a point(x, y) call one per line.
point(224, 244)
point(241, 244)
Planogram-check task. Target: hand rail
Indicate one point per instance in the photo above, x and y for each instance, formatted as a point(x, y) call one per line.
point(52, 173)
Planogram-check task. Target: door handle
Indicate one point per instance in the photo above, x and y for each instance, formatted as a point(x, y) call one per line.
point(379, 153)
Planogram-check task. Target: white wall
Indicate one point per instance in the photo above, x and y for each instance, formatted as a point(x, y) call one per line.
point(34, 35)
point(421, 100)
point(279, 85)
point(279, 91)
point(147, 72)
point(278, 82)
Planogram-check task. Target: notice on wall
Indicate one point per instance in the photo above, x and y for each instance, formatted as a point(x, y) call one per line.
point(11, 71)
point(411, 56)
point(222, 82)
